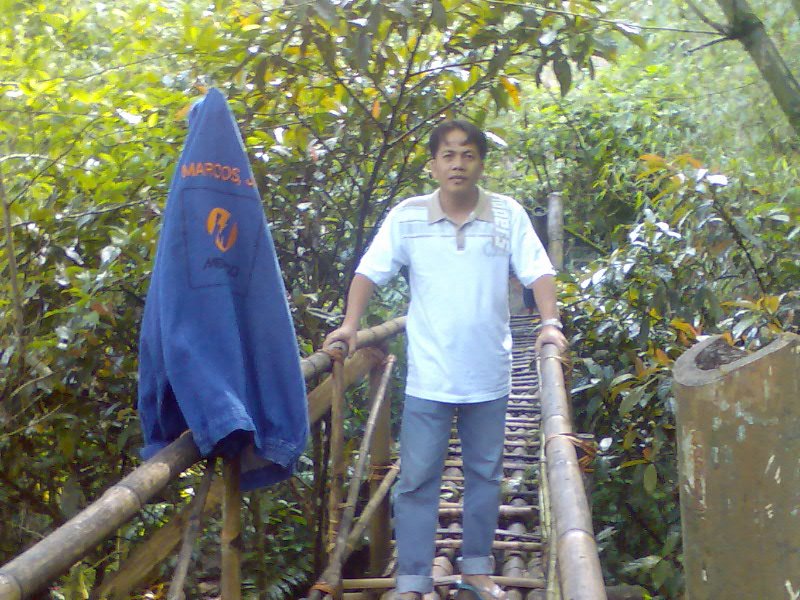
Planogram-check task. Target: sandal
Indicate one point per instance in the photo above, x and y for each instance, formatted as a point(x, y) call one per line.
point(472, 592)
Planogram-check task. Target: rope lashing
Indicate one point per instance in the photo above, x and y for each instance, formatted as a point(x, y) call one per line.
point(588, 449)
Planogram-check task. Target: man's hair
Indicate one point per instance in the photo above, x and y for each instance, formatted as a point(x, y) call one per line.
point(474, 136)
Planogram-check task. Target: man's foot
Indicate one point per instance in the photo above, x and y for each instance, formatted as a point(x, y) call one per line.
point(480, 587)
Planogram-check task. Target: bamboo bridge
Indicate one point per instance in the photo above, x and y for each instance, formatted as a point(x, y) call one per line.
point(544, 546)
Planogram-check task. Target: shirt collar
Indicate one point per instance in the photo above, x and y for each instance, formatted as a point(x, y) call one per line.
point(482, 212)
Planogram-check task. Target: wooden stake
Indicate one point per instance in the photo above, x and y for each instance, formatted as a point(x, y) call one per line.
point(231, 541)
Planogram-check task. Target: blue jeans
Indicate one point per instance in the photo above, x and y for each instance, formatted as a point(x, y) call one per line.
point(424, 433)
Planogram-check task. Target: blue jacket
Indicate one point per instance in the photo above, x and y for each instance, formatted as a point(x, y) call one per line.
point(217, 351)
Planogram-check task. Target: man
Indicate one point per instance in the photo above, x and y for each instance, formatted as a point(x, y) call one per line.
point(458, 244)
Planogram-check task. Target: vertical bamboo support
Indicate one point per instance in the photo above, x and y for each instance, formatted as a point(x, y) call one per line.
point(336, 453)
point(332, 576)
point(555, 229)
point(380, 527)
point(190, 533)
point(231, 539)
point(738, 419)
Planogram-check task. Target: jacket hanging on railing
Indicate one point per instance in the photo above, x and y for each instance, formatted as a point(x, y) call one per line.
point(218, 353)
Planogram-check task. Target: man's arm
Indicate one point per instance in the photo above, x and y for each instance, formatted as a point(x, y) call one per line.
point(544, 292)
point(360, 292)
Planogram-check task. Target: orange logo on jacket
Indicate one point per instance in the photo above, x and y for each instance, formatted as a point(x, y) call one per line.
point(216, 224)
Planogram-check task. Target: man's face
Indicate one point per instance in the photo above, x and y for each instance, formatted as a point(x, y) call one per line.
point(457, 165)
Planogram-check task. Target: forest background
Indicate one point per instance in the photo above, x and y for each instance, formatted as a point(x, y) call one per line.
point(675, 151)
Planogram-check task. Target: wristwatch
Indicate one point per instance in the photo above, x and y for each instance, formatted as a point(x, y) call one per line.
point(553, 322)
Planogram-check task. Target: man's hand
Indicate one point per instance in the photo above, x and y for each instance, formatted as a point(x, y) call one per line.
point(550, 334)
point(346, 333)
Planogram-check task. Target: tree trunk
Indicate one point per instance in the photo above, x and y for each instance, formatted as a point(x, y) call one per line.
point(749, 30)
point(738, 420)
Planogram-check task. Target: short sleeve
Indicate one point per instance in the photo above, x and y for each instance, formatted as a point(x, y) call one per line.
point(385, 255)
point(528, 256)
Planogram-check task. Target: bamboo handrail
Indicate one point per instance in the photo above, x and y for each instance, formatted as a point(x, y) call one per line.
point(320, 362)
point(579, 569)
point(578, 562)
point(34, 569)
point(158, 547)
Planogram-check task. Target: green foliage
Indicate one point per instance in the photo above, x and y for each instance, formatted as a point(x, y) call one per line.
point(334, 101)
point(676, 228)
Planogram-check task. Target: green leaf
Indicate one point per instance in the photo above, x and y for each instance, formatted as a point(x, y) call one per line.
point(661, 572)
point(564, 74)
point(630, 399)
point(439, 15)
point(650, 479)
point(326, 10)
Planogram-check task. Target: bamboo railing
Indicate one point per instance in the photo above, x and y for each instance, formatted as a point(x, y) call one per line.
point(563, 496)
point(576, 558)
point(37, 567)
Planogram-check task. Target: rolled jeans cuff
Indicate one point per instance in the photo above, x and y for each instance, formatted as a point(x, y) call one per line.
point(476, 565)
point(414, 583)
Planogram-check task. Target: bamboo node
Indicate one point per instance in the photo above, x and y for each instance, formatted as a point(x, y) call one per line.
point(336, 354)
point(588, 448)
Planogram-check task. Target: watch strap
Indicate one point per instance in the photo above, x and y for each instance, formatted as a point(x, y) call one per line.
point(554, 322)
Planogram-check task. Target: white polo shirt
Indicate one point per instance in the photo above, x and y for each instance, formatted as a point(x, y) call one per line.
point(459, 340)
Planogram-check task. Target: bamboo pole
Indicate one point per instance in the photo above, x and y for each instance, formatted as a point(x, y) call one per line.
point(548, 532)
point(380, 533)
point(738, 420)
point(231, 541)
point(133, 573)
point(337, 462)
point(355, 367)
point(190, 534)
point(366, 516)
point(581, 577)
point(385, 583)
point(34, 569)
point(320, 362)
point(555, 229)
point(371, 507)
point(332, 574)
